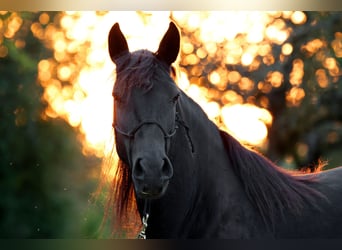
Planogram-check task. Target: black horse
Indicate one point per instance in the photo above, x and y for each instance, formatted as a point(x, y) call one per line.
point(194, 180)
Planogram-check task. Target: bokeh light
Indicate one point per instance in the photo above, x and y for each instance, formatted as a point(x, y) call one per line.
point(219, 39)
point(251, 126)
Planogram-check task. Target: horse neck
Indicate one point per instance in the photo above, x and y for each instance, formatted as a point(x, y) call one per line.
point(211, 160)
point(200, 178)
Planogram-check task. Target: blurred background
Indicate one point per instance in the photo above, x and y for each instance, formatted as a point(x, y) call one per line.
point(271, 79)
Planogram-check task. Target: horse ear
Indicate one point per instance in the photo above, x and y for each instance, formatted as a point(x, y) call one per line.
point(169, 45)
point(117, 43)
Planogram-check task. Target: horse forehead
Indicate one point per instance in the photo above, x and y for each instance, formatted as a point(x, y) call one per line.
point(146, 87)
point(154, 98)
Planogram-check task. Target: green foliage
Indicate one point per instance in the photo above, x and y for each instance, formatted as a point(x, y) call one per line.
point(46, 181)
point(307, 121)
point(311, 130)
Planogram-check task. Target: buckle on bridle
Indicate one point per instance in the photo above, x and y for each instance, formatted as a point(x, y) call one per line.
point(142, 234)
point(146, 214)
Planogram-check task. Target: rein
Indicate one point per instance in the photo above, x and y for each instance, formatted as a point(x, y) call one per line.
point(146, 214)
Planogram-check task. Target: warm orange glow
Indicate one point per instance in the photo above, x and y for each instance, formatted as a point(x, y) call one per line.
point(297, 73)
point(59, 45)
point(191, 59)
point(336, 44)
point(231, 97)
point(20, 44)
point(276, 78)
point(233, 38)
point(247, 59)
point(276, 35)
point(201, 53)
point(322, 78)
point(295, 96)
point(44, 18)
point(313, 46)
point(214, 77)
point(63, 73)
point(187, 48)
point(37, 30)
point(298, 17)
point(234, 76)
point(3, 51)
point(330, 63)
point(246, 84)
point(14, 23)
point(264, 49)
point(264, 87)
point(268, 59)
point(287, 49)
point(213, 110)
point(247, 122)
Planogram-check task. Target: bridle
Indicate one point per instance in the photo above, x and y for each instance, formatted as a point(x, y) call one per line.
point(167, 136)
point(147, 122)
point(146, 214)
point(130, 135)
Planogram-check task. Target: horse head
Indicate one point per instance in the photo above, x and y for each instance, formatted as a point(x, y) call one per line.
point(145, 110)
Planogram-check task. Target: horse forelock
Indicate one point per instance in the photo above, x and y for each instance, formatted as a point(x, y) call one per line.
point(273, 190)
point(138, 69)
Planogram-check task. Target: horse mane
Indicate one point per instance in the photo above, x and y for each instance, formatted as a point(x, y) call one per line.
point(273, 190)
point(121, 206)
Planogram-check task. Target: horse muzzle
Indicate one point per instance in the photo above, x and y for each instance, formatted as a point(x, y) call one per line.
point(151, 177)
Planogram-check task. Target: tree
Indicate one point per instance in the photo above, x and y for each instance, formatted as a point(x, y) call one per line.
point(297, 79)
point(45, 179)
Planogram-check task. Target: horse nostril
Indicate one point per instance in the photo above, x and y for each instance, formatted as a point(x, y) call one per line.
point(145, 169)
point(167, 169)
point(145, 190)
point(138, 170)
